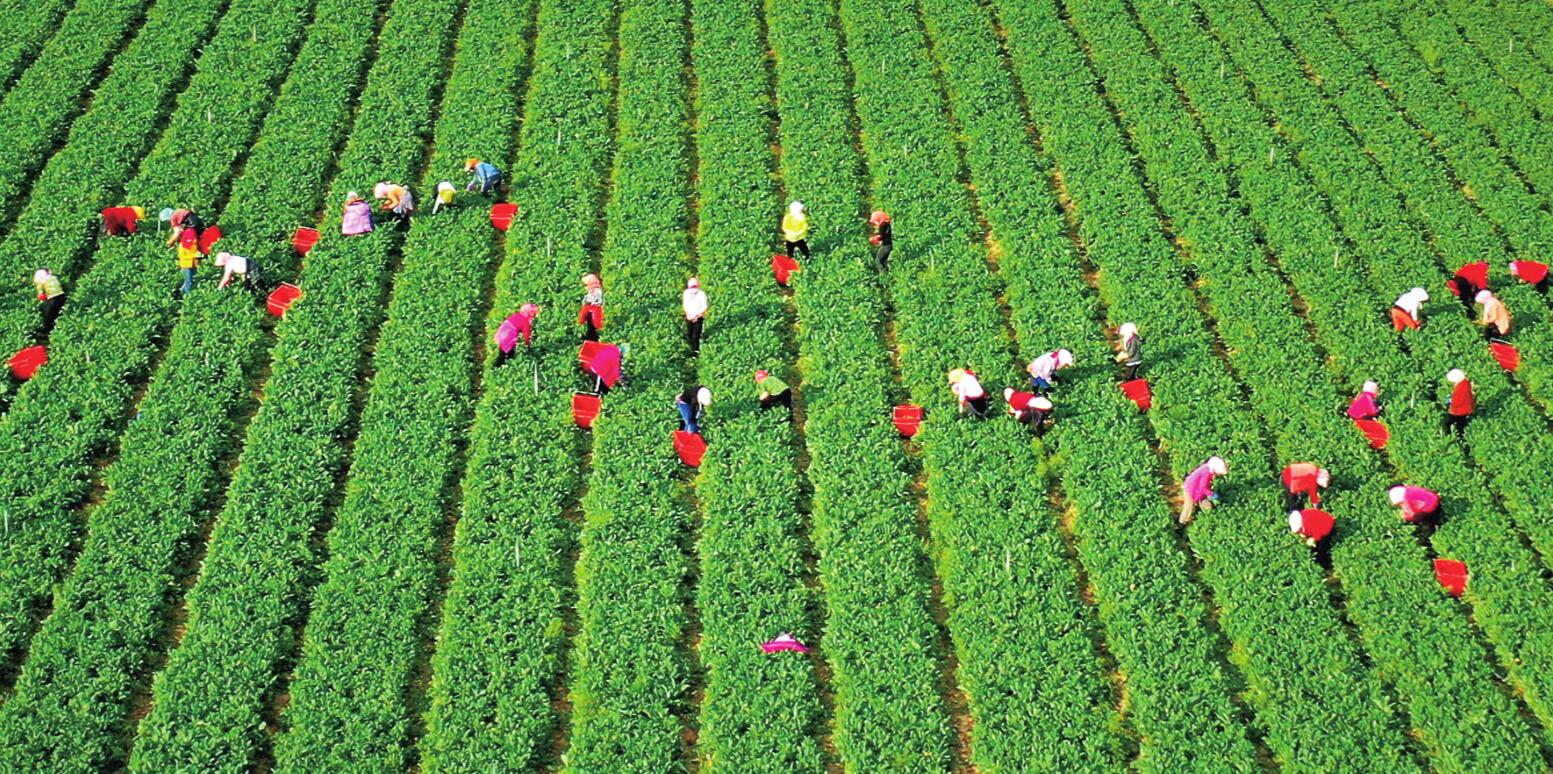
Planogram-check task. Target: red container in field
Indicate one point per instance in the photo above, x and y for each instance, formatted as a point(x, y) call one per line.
point(590, 350)
point(689, 447)
point(1375, 432)
point(1452, 575)
point(208, 239)
point(585, 409)
point(1508, 356)
point(282, 298)
point(782, 267)
point(908, 420)
point(304, 239)
point(1138, 392)
point(502, 215)
point(26, 362)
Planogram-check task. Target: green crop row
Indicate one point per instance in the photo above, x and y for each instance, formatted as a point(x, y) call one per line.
point(631, 673)
point(1517, 66)
point(1179, 699)
point(1028, 666)
point(1530, 23)
point(109, 335)
point(29, 23)
point(1274, 608)
point(1303, 235)
point(1439, 44)
point(101, 152)
point(503, 630)
point(879, 635)
point(751, 554)
point(352, 699)
point(35, 116)
point(1402, 618)
point(207, 706)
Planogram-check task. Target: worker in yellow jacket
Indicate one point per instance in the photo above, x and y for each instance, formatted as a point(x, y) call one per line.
point(795, 228)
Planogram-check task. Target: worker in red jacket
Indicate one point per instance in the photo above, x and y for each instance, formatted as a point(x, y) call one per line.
point(1365, 405)
point(1532, 273)
point(1304, 479)
point(1419, 505)
point(1463, 401)
point(1467, 281)
point(1312, 524)
point(1028, 408)
point(122, 221)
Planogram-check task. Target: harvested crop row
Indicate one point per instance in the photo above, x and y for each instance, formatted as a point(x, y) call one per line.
point(1304, 237)
point(208, 701)
point(502, 631)
point(631, 667)
point(29, 23)
point(35, 116)
point(1273, 605)
point(1178, 697)
point(1401, 616)
point(1027, 662)
point(70, 413)
point(751, 555)
point(352, 699)
point(88, 173)
point(879, 636)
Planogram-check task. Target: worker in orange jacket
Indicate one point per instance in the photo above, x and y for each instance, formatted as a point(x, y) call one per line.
point(1302, 480)
point(1463, 402)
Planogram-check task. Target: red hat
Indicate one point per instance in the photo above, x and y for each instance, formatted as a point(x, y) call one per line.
point(879, 218)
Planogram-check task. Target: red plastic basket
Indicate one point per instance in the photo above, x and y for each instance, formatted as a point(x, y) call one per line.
point(908, 420)
point(26, 362)
point(208, 239)
point(689, 447)
point(585, 409)
point(1452, 575)
point(1138, 392)
point(304, 239)
point(502, 215)
point(590, 350)
point(1375, 432)
point(282, 298)
point(782, 267)
point(1508, 356)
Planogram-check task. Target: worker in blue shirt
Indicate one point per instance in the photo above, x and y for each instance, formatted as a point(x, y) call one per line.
point(486, 176)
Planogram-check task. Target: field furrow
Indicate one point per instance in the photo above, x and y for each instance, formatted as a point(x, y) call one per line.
point(503, 631)
point(880, 638)
point(69, 415)
point(1374, 552)
point(752, 557)
point(1305, 239)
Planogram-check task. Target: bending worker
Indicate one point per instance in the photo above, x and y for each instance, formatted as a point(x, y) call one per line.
point(1418, 505)
point(358, 215)
point(51, 294)
point(795, 229)
point(692, 405)
point(1404, 313)
point(1463, 401)
point(122, 221)
point(1365, 405)
point(1197, 488)
point(1496, 316)
point(486, 177)
point(883, 239)
point(591, 315)
point(772, 391)
point(1043, 370)
point(520, 323)
point(1303, 479)
point(968, 392)
point(397, 200)
point(245, 269)
point(1130, 351)
point(1311, 524)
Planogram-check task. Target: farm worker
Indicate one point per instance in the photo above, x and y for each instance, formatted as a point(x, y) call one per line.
point(188, 252)
point(1130, 351)
point(50, 293)
point(1419, 505)
point(1364, 405)
point(1404, 313)
point(445, 194)
point(1496, 316)
point(397, 200)
point(795, 228)
point(606, 366)
point(1028, 408)
point(519, 323)
point(968, 391)
point(236, 265)
point(485, 176)
point(694, 303)
point(883, 238)
point(358, 215)
point(1532, 273)
point(692, 405)
point(1304, 478)
point(1467, 281)
point(1463, 401)
point(1311, 524)
point(591, 315)
point(1197, 488)
point(121, 221)
point(1043, 370)
point(772, 391)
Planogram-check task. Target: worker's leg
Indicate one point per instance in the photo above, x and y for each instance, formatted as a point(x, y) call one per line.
point(1542, 285)
point(188, 281)
point(687, 417)
point(1130, 371)
point(51, 309)
point(502, 355)
point(978, 407)
point(1040, 386)
point(1188, 510)
point(693, 335)
point(882, 257)
point(786, 399)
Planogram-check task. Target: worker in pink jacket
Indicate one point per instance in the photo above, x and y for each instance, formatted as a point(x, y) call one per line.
point(518, 324)
point(1419, 505)
point(1197, 488)
point(1365, 405)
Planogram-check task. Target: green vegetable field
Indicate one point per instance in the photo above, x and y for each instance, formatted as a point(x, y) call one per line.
point(399, 524)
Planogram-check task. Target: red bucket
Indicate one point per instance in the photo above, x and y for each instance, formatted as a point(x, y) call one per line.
point(282, 298)
point(1508, 356)
point(585, 409)
point(1138, 392)
point(1452, 575)
point(908, 420)
point(304, 239)
point(1375, 432)
point(689, 447)
point(782, 267)
point(26, 362)
point(502, 215)
point(208, 239)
